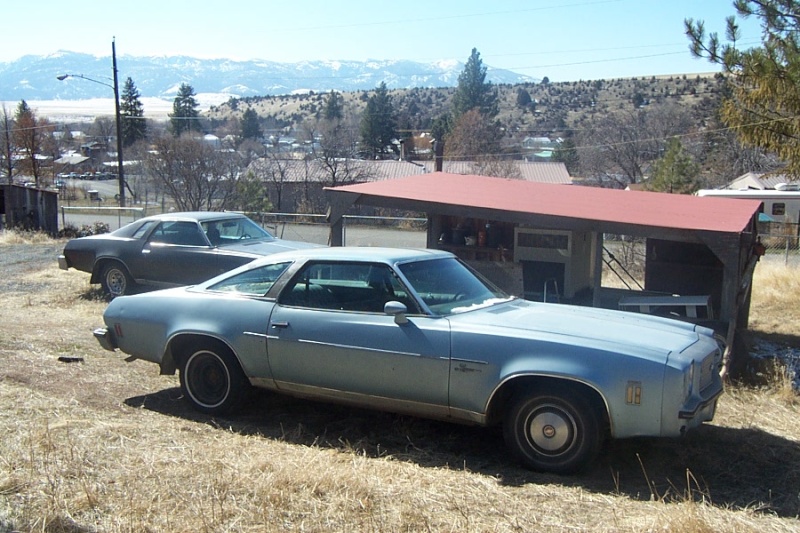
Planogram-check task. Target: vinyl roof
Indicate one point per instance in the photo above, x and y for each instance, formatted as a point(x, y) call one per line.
point(673, 211)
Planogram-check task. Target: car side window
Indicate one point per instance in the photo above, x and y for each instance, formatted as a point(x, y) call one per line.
point(361, 287)
point(180, 232)
point(142, 230)
point(255, 282)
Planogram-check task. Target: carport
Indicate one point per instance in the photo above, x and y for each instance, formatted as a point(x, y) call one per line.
point(530, 236)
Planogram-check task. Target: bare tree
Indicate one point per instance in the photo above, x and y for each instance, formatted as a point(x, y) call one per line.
point(472, 137)
point(335, 147)
point(104, 128)
point(30, 137)
point(193, 173)
point(617, 148)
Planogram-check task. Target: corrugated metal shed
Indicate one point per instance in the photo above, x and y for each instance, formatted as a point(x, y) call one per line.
point(27, 208)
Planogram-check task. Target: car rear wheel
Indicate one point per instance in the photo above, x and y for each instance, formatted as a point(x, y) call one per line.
point(116, 281)
point(552, 431)
point(212, 381)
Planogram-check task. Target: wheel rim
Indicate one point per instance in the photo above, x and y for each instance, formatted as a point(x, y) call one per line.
point(550, 430)
point(116, 282)
point(207, 379)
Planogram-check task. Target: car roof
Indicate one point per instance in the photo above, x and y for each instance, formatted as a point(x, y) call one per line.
point(357, 253)
point(200, 216)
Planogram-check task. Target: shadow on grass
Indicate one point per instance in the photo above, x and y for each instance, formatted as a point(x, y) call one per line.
point(738, 468)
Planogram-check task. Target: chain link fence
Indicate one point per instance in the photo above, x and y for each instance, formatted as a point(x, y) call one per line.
point(781, 242)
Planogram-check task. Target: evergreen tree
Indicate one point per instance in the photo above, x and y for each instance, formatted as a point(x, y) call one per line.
point(185, 116)
point(763, 106)
point(334, 107)
point(567, 153)
point(134, 126)
point(378, 123)
point(523, 98)
point(441, 126)
point(474, 91)
point(676, 172)
point(251, 129)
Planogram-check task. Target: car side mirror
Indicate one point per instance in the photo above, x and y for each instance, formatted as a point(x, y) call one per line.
point(398, 310)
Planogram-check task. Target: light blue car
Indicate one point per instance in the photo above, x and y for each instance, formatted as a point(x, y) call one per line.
point(418, 332)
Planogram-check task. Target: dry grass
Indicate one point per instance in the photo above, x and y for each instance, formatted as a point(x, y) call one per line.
point(103, 445)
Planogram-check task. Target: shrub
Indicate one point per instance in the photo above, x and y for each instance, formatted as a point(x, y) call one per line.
point(71, 231)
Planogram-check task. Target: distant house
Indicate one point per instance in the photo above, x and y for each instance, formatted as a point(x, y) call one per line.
point(539, 148)
point(212, 140)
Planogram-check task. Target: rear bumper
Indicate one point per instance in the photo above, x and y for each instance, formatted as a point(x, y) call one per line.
point(105, 338)
point(62, 262)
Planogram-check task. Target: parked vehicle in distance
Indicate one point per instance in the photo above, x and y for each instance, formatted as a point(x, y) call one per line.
point(418, 332)
point(170, 250)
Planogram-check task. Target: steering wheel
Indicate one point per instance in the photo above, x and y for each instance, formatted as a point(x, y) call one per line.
point(245, 236)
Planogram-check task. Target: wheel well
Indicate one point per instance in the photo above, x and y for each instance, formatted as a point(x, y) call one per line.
point(181, 346)
point(511, 389)
point(100, 265)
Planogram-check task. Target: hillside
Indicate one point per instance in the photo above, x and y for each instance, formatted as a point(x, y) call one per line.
point(557, 109)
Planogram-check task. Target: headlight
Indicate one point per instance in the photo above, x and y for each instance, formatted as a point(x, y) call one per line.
point(688, 381)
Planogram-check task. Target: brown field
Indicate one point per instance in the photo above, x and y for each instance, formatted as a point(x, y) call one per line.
point(104, 445)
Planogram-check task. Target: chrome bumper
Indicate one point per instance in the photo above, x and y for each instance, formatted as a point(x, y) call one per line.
point(62, 262)
point(105, 338)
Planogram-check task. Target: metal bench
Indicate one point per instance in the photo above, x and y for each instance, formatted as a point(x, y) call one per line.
point(688, 306)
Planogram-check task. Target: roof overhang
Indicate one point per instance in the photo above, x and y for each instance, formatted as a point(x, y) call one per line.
point(553, 206)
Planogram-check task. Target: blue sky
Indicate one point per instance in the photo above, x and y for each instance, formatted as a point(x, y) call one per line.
point(565, 40)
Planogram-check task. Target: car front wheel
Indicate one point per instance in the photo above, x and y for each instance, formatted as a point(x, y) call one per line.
point(552, 431)
point(115, 280)
point(212, 381)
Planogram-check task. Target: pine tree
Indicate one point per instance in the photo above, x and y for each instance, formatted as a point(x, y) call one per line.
point(676, 172)
point(185, 114)
point(474, 91)
point(523, 98)
point(378, 123)
point(334, 107)
point(134, 126)
point(763, 106)
point(567, 153)
point(251, 129)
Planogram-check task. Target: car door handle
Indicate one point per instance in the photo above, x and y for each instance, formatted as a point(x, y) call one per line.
point(146, 251)
point(280, 324)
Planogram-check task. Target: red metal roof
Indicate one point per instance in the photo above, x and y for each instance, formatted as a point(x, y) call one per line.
point(675, 211)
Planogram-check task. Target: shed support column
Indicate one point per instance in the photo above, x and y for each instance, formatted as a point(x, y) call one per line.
point(434, 230)
point(336, 236)
point(598, 269)
point(339, 204)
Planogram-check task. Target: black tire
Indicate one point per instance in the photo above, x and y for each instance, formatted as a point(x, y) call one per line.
point(212, 381)
point(553, 432)
point(115, 280)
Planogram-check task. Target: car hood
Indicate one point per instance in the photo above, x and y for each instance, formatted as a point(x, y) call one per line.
point(633, 333)
point(265, 247)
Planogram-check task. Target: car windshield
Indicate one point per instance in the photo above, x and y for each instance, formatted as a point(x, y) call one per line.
point(233, 230)
point(448, 286)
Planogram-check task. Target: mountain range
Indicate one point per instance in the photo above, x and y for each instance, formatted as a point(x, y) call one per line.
point(34, 77)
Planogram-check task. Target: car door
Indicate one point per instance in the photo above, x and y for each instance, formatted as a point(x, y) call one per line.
point(176, 253)
point(326, 340)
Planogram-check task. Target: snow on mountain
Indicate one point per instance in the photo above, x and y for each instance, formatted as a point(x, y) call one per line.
point(34, 77)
